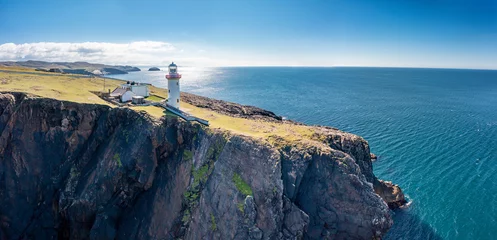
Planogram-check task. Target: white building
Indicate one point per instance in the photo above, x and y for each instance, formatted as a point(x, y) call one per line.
point(173, 98)
point(127, 96)
point(140, 89)
point(127, 91)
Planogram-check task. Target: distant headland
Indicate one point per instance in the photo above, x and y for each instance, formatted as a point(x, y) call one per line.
point(84, 68)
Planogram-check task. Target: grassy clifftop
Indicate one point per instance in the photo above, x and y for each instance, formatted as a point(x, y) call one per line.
point(75, 88)
point(80, 89)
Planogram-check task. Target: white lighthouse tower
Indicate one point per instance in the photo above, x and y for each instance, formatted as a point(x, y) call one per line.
point(173, 86)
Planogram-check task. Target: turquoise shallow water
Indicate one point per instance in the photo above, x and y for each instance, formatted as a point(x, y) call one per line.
point(435, 131)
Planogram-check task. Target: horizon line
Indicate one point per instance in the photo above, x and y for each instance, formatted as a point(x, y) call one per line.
point(287, 66)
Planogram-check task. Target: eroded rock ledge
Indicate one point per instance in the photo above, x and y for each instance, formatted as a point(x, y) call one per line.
point(86, 171)
point(229, 108)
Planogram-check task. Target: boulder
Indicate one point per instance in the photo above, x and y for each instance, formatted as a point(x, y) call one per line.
point(391, 193)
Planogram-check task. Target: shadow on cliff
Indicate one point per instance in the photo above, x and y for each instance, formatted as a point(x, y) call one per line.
point(408, 225)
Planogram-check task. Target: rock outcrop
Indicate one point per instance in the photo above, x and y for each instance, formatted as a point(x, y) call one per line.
point(86, 171)
point(154, 69)
point(229, 108)
point(391, 193)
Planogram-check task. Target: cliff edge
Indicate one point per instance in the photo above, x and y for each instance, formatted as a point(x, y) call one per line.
point(89, 171)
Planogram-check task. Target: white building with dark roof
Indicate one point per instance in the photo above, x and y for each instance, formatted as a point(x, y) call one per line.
point(127, 91)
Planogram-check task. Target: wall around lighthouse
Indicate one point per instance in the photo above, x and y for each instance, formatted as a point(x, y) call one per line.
point(173, 98)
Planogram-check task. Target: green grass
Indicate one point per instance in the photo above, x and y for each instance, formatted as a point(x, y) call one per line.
point(59, 86)
point(241, 185)
point(156, 112)
point(252, 127)
point(76, 89)
point(154, 98)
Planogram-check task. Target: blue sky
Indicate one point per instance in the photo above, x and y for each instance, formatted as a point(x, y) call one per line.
point(417, 33)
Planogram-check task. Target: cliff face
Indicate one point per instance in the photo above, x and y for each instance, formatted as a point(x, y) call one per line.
point(85, 171)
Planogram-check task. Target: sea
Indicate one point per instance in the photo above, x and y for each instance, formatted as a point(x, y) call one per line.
point(434, 130)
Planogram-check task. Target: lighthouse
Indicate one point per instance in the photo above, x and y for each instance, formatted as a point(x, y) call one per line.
point(173, 86)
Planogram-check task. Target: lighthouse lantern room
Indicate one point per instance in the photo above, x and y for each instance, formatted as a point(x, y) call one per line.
point(173, 77)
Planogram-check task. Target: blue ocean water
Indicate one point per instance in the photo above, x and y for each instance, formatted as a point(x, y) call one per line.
point(434, 130)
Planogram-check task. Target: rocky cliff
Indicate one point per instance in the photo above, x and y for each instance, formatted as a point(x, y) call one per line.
point(86, 171)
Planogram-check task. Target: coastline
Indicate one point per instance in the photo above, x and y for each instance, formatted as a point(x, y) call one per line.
point(293, 140)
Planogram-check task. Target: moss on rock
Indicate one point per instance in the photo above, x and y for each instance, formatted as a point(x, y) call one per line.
point(213, 223)
point(187, 155)
point(241, 185)
point(117, 158)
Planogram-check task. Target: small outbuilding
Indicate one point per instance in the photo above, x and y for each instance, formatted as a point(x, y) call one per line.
point(138, 100)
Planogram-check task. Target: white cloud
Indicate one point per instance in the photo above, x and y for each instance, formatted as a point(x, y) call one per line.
point(134, 53)
point(156, 53)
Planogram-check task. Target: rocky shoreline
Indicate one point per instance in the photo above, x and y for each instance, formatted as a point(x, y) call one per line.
point(88, 171)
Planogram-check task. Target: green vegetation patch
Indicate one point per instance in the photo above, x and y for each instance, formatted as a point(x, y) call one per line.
point(215, 149)
point(240, 206)
point(191, 196)
point(187, 155)
point(154, 98)
point(186, 216)
point(213, 223)
point(200, 177)
point(241, 185)
point(117, 158)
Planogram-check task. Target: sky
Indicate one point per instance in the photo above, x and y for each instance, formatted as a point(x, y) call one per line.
point(389, 33)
